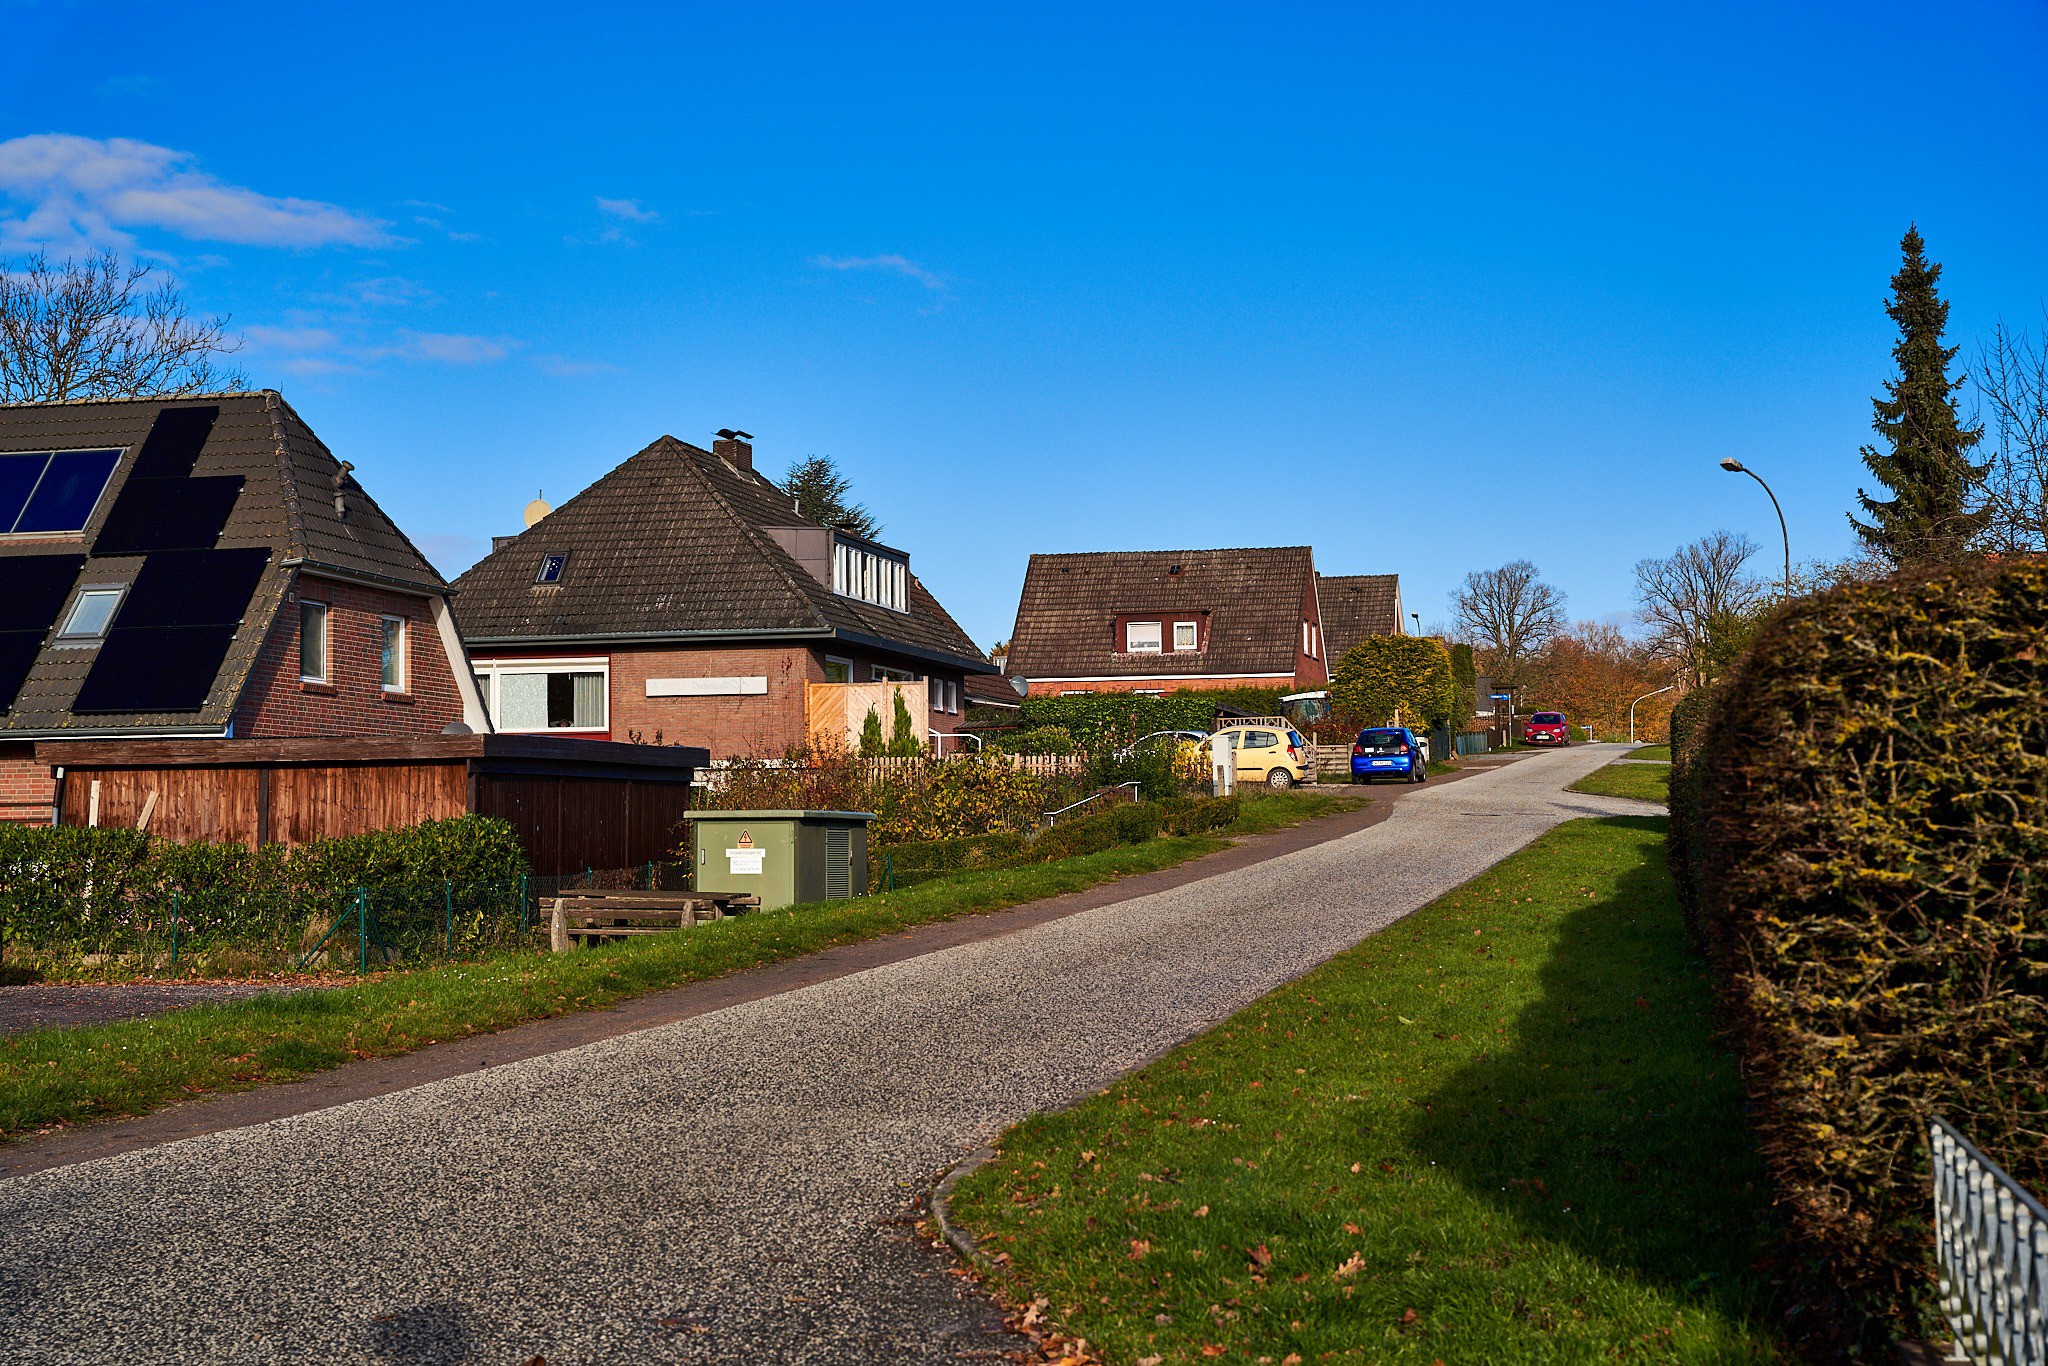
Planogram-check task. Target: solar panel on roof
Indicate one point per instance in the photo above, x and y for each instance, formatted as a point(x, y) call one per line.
point(193, 588)
point(68, 492)
point(18, 650)
point(33, 589)
point(168, 514)
point(173, 443)
point(155, 669)
point(18, 477)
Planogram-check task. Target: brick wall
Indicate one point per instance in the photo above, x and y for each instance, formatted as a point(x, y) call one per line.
point(761, 725)
point(27, 788)
point(1053, 687)
point(1311, 671)
point(275, 703)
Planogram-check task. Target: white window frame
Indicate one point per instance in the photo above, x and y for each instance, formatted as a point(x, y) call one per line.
point(490, 670)
point(326, 674)
point(883, 673)
point(845, 664)
point(1131, 646)
point(1194, 630)
point(1077, 692)
point(870, 576)
point(384, 623)
point(77, 639)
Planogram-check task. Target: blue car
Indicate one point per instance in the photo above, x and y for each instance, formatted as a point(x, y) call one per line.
point(1388, 752)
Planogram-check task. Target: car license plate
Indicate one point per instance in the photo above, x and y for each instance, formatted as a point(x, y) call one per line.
point(1383, 763)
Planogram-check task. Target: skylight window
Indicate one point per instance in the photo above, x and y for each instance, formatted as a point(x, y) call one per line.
point(551, 566)
point(91, 614)
point(52, 492)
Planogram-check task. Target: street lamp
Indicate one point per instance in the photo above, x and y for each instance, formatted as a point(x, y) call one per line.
point(1416, 617)
point(1632, 709)
point(1734, 466)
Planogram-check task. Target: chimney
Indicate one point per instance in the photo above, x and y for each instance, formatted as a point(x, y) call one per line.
point(734, 448)
point(341, 489)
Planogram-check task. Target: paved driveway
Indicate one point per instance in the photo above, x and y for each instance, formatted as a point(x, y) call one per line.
point(734, 1187)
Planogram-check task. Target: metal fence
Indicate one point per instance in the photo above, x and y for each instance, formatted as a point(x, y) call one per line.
point(1991, 1237)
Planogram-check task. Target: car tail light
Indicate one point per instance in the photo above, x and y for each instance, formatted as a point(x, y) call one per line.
point(1357, 750)
point(1293, 753)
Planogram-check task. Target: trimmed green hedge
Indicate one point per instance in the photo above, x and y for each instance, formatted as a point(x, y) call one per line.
point(1119, 718)
point(1865, 835)
point(906, 865)
point(70, 890)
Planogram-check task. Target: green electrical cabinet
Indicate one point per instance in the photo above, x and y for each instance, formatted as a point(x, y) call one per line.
point(783, 857)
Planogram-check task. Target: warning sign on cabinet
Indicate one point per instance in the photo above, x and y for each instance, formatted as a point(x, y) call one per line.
point(745, 860)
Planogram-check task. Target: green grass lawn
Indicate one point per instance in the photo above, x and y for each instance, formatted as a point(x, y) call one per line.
point(1644, 782)
point(52, 1077)
point(1659, 752)
point(1500, 1130)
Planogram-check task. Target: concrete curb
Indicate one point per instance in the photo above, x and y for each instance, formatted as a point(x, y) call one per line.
point(961, 1240)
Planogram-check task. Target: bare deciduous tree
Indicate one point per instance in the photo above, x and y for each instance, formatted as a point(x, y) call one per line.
point(1697, 602)
point(2012, 382)
point(1511, 614)
point(95, 328)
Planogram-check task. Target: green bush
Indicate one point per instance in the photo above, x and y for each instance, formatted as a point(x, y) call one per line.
point(1038, 740)
point(1383, 675)
point(69, 891)
point(1115, 719)
point(1868, 846)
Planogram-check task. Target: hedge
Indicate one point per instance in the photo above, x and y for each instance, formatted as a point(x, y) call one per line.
point(70, 890)
point(1384, 674)
point(1866, 843)
point(905, 865)
point(1119, 718)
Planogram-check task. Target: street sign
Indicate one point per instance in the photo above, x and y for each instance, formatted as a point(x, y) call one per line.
point(1503, 697)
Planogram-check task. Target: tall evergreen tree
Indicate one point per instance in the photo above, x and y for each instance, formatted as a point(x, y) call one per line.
point(821, 493)
point(1927, 468)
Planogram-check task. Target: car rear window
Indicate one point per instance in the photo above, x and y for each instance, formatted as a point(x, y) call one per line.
point(1382, 741)
point(1548, 718)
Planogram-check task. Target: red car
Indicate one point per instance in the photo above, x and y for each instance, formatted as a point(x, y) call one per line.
point(1547, 728)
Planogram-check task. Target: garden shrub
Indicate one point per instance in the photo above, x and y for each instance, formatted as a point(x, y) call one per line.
point(1110, 720)
point(1682, 834)
point(1869, 854)
point(1384, 674)
point(1038, 740)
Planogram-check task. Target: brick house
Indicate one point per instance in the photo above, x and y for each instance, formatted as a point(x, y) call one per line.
point(1359, 605)
point(1158, 621)
point(204, 568)
point(683, 598)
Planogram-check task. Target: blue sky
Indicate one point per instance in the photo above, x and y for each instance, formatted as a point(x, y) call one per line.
point(1426, 293)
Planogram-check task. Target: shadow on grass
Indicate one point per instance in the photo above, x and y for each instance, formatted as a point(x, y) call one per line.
point(1613, 1123)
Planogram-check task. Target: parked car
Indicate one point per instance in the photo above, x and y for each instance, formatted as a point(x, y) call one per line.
point(1547, 728)
point(1193, 736)
point(1275, 755)
point(1388, 752)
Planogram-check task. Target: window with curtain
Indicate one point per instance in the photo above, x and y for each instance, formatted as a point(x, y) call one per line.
point(550, 699)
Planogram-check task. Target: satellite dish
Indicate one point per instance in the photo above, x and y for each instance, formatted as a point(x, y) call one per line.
point(536, 510)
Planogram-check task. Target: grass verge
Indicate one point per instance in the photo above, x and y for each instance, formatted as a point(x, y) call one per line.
point(1660, 753)
point(51, 1077)
point(1500, 1130)
point(1644, 782)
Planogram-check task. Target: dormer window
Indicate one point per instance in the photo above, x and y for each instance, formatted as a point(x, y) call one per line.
point(1186, 636)
point(870, 574)
point(551, 566)
point(1141, 638)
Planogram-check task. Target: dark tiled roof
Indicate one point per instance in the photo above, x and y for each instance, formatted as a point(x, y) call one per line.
point(991, 690)
point(1066, 619)
point(671, 543)
point(286, 504)
point(1356, 606)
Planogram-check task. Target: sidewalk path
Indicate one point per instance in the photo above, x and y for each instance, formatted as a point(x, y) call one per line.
point(732, 1187)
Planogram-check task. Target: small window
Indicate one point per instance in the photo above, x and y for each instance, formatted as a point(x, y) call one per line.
point(551, 566)
point(91, 614)
point(838, 670)
point(1186, 636)
point(1141, 638)
point(882, 673)
point(1149, 692)
point(392, 661)
point(313, 641)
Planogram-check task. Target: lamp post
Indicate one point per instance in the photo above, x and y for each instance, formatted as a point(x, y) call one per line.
point(1734, 466)
point(1632, 709)
point(1416, 617)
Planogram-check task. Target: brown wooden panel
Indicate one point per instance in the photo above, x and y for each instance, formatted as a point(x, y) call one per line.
point(310, 802)
point(655, 822)
point(217, 806)
point(417, 749)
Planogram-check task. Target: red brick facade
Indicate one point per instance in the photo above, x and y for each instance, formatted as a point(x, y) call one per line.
point(276, 702)
point(747, 725)
point(27, 788)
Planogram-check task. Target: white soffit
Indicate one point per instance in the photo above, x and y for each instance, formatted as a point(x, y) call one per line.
point(753, 686)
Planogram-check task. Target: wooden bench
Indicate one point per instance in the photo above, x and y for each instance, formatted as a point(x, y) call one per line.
point(594, 914)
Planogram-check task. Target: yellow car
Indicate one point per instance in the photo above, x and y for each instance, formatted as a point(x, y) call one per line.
point(1268, 751)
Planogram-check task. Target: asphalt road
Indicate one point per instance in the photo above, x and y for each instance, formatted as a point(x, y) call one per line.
point(734, 1187)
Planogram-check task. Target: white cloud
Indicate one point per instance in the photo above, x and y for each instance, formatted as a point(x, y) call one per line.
point(627, 209)
point(91, 192)
point(890, 263)
point(393, 291)
point(451, 348)
point(290, 338)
